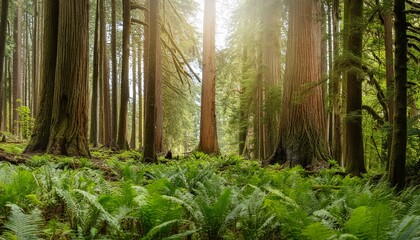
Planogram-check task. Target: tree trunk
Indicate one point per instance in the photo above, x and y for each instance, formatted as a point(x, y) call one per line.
point(134, 93)
point(354, 155)
point(104, 78)
point(150, 124)
point(93, 136)
point(208, 131)
point(336, 89)
point(3, 29)
point(399, 133)
point(35, 62)
point(41, 132)
point(114, 116)
point(302, 132)
point(122, 128)
point(69, 115)
point(139, 74)
point(17, 67)
point(243, 108)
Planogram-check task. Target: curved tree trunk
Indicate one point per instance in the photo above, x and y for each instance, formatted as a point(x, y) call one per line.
point(69, 115)
point(208, 131)
point(41, 132)
point(302, 132)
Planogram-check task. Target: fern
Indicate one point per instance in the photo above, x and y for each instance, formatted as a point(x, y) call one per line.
point(407, 228)
point(318, 231)
point(23, 226)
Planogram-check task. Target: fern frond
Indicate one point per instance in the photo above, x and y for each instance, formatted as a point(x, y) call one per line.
point(408, 228)
point(318, 231)
point(24, 226)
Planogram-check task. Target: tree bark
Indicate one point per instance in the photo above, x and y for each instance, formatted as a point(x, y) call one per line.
point(122, 128)
point(208, 131)
point(69, 115)
point(35, 62)
point(139, 74)
point(41, 132)
point(3, 29)
point(399, 134)
point(150, 120)
point(354, 155)
point(134, 93)
point(114, 116)
point(93, 136)
point(17, 67)
point(302, 132)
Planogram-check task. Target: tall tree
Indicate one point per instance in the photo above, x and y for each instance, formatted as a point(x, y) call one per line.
point(17, 67)
point(150, 123)
point(104, 78)
point(139, 74)
point(93, 136)
point(3, 29)
point(399, 130)
point(69, 116)
point(41, 132)
point(208, 131)
point(114, 115)
point(302, 133)
point(35, 61)
point(354, 153)
point(134, 93)
point(122, 128)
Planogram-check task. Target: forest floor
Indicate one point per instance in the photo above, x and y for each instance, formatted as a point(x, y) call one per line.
point(115, 196)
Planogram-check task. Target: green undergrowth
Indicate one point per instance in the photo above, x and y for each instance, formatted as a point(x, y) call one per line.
point(197, 197)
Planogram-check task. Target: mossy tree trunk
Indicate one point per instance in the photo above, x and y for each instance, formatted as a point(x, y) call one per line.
point(69, 115)
point(302, 133)
point(354, 153)
point(399, 132)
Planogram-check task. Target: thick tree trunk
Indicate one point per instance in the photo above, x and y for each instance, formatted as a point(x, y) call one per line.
point(354, 155)
point(69, 115)
point(93, 136)
point(208, 131)
point(41, 132)
point(114, 115)
point(3, 29)
point(303, 139)
point(17, 67)
point(150, 120)
point(122, 128)
point(399, 133)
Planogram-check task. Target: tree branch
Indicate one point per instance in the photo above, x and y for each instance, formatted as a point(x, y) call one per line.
point(374, 114)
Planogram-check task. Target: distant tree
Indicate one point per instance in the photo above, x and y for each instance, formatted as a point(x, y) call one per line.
point(399, 131)
point(302, 133)
point(17, 67)
point(3, 30)
point(208, 131)
point(134, 93)
point(122, 128)
point(354, 153)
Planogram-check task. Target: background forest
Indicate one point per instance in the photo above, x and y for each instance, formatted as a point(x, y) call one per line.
point(220, 97)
